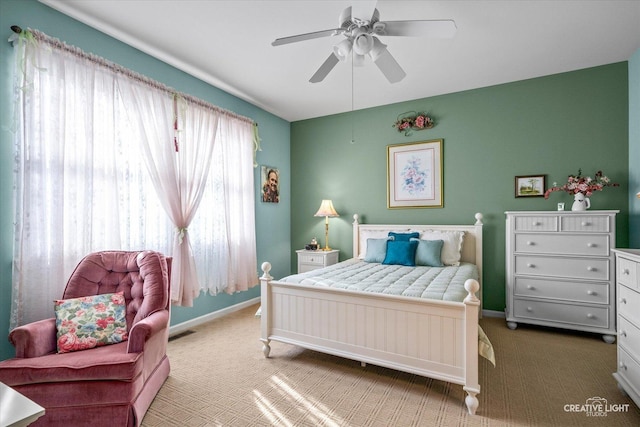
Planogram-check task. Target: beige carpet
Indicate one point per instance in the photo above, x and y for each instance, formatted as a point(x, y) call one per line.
point(219, 377)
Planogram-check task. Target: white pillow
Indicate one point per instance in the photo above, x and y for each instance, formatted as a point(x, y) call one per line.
point(452, 247)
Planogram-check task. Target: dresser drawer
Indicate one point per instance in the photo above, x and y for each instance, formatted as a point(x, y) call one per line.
point(536, 223)
point(628, 367)
point(578, 268)
point(628, 273)
point(582, 244)
point(313, 259)
point(629, 304)
point(585, 223)
point(564, 313)
point(594, 293)
point(629, 336)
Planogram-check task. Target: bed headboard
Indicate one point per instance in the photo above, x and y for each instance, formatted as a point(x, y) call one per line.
point(471, 244)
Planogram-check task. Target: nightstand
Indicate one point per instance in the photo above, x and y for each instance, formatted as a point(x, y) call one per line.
point(312, 260)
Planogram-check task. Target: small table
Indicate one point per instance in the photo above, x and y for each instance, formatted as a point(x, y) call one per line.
point(17, 410)
point(312, 260)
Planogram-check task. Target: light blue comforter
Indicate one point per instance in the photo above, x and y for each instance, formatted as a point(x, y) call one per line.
point(440, 283)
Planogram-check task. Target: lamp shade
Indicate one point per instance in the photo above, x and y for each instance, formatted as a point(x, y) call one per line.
point(326, 209)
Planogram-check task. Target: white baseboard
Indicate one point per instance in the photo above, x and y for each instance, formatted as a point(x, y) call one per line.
point(184, 326)
point(493, 313)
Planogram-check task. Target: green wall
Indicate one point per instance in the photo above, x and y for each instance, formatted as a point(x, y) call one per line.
point(552, 125)
point(272, 221)
point(634, 150)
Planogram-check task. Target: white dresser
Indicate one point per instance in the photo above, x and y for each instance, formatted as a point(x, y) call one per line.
point(628, 288)
point(312, 260)
point(560, 270)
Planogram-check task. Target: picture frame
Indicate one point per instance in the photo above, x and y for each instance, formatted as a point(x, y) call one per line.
point(530, 185)
point(414, 175)
point(270, 184)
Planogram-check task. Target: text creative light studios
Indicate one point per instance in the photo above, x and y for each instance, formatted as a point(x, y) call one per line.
point(596, 407)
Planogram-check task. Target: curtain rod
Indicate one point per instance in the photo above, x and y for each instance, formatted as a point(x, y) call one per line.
point(139, 77)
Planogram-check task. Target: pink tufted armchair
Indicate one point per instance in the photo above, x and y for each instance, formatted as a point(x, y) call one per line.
point(111, 385)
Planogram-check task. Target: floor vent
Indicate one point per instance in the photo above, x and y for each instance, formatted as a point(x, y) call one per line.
point(180, 335)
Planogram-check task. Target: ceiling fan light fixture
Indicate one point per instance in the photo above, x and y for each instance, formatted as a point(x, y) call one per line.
point(378, 49)
point(362, 42)
point(342, 49)
point(358, 60)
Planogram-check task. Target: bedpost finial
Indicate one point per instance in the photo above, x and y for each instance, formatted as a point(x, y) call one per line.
point(355, 218)
point(266, 266)
point(478, 217)
point(472, 286)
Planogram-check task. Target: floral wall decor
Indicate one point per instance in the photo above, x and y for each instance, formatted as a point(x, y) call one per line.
point(410, 121)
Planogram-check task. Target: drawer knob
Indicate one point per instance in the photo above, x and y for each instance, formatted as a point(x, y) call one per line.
point(623, 366)
point(530, 265)
point(529, 309)
point(530, 287)
point(623, 334)
point(585, 224)
point(590, 316)
point(625, 271)
point(590, 292)
point(591, 245)
point(530, 243)
point(591, 268)
point(536, 223)
point(623, 300)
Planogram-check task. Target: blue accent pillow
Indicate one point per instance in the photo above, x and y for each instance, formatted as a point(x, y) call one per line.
point(401, 253)
point(429, 252)
point(376, 250)
point(405, 237)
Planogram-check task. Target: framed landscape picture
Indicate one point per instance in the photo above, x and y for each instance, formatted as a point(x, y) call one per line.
point(414, 175)
point(530, 186)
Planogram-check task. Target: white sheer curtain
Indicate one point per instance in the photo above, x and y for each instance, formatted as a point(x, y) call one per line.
point(178, 160)
point(228, 239)
point(81, 183)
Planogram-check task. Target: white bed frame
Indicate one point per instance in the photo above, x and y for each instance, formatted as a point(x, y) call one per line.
point(432, 338)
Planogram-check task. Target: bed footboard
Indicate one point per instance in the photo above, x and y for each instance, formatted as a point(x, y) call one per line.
point(435, 339)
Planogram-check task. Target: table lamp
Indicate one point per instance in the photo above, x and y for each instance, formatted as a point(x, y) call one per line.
point(326, 210)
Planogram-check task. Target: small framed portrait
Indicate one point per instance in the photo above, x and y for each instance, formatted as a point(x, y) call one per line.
point(270, 184)
point(530, 186)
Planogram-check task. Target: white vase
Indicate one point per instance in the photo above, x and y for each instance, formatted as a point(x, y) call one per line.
point(580, 202)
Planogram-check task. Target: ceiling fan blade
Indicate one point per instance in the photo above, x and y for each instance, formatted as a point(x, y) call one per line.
point(389, 66)
point(307, 36)
point(324, 69)
point(363, 10)
point(441, 28)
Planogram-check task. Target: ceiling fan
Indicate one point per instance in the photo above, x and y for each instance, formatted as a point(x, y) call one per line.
point(361, 39)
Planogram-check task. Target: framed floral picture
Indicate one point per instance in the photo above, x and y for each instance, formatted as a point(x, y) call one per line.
point(530, 186)
point(414, 175)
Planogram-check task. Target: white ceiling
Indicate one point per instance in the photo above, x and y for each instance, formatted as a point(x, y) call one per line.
point(228, 44)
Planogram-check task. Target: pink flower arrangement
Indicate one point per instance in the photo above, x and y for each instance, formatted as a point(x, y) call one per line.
point(416, 121)
point(582, 184)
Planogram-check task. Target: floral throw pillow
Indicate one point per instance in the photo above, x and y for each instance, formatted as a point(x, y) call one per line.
point(91, 321)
